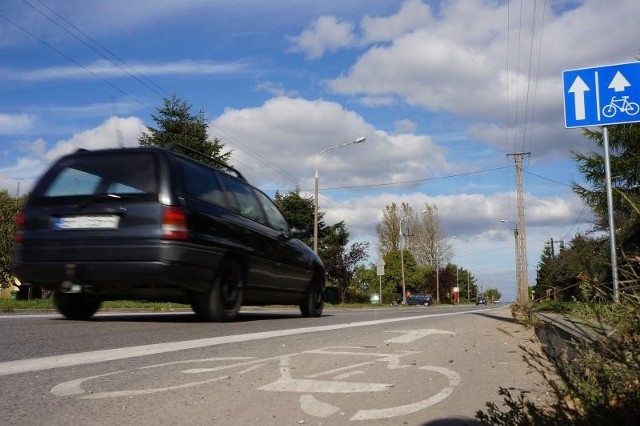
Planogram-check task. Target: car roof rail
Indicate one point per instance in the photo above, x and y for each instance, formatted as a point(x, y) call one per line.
point(222, 165)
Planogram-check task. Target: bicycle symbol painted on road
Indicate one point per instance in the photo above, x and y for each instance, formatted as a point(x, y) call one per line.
point(620, 104)
point(321, 378)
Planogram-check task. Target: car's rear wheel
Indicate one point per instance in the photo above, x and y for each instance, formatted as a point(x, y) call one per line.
point(313, 303)
point(76, 306)
point(223, 300)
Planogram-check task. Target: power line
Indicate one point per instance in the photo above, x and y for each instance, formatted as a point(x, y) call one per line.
point(139, 77)
point(548, 179)
point(70, 59)
point(377, 185)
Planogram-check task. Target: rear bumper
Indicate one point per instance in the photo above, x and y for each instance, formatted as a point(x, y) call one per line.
point(176, 267)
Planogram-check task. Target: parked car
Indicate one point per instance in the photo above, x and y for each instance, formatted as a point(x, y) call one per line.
point(152, 224)
point(417, 299)
point(481, 300)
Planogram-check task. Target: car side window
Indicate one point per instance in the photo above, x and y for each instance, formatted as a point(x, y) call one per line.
point(202, 183)
point(275, 218)
point(247, 202)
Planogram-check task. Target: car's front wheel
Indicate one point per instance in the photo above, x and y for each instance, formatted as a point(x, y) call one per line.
point(313, 304)
point(76, 306)
point(223, 300)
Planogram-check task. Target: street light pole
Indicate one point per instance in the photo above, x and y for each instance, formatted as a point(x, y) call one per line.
point(315, 197)
point(404, 289)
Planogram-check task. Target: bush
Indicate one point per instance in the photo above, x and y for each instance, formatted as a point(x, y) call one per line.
point(594, 382)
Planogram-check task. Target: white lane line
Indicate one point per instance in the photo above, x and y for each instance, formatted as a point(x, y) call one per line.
point(70, 360)
point(410, 336)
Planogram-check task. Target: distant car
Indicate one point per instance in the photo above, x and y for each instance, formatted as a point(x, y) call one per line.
point(417, 299)
point(154, 225)
point(481, 300)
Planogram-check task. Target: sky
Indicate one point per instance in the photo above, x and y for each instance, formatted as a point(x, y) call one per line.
point(443, 91)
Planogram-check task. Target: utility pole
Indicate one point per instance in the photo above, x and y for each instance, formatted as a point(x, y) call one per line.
point(521, 237)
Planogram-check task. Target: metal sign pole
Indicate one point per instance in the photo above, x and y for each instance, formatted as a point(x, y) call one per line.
point(380, 273)
point(612, 231)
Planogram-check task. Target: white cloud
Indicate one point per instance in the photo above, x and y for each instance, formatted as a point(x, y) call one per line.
point(326, 33)
point(464, 61)
point(276, 89)
point(292, 132)
point(377, 101)
point(108, 69)
point(405, 126)
point(16, 123)
point(113, 133)
point(413, 14)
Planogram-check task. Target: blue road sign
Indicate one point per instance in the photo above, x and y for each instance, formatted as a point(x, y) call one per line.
point(602, 96)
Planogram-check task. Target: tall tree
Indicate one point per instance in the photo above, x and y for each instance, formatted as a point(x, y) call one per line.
point(388, 230)
point(492, 294)
point(430, 243)
point(421, 239)
point(624, 144)
point(578, 271)
point(299, 210)
point(176, 123)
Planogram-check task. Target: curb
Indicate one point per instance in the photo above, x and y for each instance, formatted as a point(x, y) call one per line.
point(559, 333)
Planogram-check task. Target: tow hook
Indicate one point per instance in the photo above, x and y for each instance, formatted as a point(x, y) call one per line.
point(70, 287)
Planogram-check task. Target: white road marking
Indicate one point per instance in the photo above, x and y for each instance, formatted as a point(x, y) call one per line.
point(74, 387)
point(287, 383)
point(70, 360)
point(314, 407)
point(385, 413)
point(413, 335)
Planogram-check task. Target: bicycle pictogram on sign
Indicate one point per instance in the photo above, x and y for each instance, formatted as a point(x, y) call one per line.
point(620, 104)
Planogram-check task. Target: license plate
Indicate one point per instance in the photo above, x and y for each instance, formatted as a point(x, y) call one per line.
point(87, 222)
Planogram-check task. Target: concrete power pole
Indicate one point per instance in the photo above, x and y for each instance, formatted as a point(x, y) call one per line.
point(521, 236)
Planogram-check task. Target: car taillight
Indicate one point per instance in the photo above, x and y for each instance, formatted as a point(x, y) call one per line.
point(19, 228)
point(174, 223)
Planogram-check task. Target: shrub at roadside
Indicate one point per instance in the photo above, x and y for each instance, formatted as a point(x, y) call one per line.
point(593, 382)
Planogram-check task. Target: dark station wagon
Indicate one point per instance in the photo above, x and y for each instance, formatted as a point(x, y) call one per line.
point(416, 299)
point(152, 224)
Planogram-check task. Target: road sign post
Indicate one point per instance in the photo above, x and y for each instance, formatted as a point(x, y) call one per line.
point(603, 96)
point(380, 273)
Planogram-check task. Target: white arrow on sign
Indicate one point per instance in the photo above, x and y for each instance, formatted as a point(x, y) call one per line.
point(619, 83)
point(578, 88)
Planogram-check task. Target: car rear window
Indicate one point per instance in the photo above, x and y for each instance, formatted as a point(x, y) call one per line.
point(105, 173)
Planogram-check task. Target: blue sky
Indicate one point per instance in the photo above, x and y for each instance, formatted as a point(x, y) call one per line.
point(442, 91)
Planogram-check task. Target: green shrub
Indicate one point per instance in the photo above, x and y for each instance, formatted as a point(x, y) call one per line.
point(593, 382)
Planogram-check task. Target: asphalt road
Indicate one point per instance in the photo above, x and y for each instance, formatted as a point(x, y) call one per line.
point(403, 365)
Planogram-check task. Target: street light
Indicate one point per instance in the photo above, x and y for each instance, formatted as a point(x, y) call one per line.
point(404, 290)
point(315, 216)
